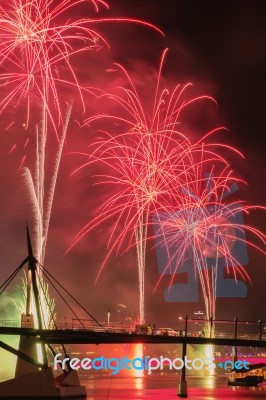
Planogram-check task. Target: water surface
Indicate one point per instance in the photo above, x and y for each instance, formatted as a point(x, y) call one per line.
point(160, 387)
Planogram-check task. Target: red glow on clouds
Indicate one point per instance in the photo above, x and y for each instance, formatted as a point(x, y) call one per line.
point(51, 53)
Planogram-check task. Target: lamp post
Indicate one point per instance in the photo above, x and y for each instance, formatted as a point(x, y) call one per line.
point(182, 387)
point(108, 317)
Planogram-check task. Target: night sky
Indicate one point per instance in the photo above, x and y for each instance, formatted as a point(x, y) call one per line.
point(219, 46)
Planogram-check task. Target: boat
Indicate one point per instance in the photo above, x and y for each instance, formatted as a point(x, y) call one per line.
point(255, 374)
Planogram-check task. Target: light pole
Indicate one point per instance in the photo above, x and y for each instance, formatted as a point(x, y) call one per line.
point(108, 316)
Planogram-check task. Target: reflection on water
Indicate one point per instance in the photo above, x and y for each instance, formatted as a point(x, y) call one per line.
point(138, 353)
point(210, 382)
point(158, 387)
point(139, 383)
point(209, 354)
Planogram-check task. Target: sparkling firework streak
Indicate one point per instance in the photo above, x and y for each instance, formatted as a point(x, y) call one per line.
point(33, 43)
point(147, 164)
point(206, 228)
point(37, 41)
point(41, 204)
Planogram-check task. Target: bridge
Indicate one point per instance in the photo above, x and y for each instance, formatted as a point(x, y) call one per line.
point(236, 333)
point(91, 334)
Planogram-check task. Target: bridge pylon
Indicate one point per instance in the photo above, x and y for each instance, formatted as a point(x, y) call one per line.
point(34, 379)
point(28, 347)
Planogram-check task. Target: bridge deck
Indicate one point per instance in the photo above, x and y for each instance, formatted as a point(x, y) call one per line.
point(68, 336)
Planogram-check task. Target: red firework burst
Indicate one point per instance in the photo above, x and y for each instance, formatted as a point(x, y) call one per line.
point(208, 231)
point(38, 39)
point(147, 165)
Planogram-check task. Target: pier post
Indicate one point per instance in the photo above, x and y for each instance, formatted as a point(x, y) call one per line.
point(261, 328)
point(182, 386)
point(236, 320)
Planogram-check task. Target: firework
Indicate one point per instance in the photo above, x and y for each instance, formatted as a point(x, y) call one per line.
point(38, 44)
point(34, 44)
point(38, 41)
point(36, 191)
point(207, 231)
point(146, 165)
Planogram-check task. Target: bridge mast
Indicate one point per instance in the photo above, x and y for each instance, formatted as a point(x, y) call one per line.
point(32, 268)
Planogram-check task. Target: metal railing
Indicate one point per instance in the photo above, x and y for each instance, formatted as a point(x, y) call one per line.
point(10, 324)
point(236, 329)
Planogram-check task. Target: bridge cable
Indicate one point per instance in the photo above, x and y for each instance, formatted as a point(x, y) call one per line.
point(49, 346)
point(47, 277)
point(48, 304)
point(12, 276)
point(52, 318)
point(70, 295)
